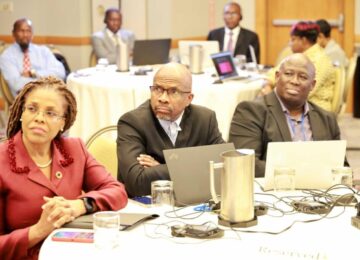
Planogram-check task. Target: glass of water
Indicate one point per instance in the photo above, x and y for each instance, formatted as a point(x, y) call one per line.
point(162, 193)
point(106, 229)
point(284, 179)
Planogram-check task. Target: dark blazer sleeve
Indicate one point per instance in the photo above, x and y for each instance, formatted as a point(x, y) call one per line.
point(246, 38)
point(130, 144)
point(246, 131)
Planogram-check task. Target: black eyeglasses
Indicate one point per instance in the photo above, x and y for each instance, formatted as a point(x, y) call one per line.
point(171, 92)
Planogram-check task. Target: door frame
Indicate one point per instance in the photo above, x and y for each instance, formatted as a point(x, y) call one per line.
point(261, 7)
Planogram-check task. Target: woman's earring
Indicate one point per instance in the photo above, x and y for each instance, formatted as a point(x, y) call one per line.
point(20, 119)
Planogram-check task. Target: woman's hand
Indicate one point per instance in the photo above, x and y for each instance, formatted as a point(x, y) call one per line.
point(56, 212)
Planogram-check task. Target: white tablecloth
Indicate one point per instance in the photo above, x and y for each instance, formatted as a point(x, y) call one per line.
point(329, 238)
point(104, 95)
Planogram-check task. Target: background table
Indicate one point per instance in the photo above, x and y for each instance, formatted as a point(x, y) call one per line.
point(330, 238)
point(104, 95)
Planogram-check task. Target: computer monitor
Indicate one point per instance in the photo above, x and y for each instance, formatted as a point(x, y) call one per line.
point(149, 52)
point(208, 48)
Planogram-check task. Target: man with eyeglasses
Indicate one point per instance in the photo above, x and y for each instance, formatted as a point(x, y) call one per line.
point(168, 120)
point(233, 37)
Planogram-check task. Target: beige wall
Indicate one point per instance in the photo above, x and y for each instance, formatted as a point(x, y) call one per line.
point(147, 18)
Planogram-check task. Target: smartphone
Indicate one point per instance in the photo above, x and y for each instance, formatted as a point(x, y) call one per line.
point(74, 236)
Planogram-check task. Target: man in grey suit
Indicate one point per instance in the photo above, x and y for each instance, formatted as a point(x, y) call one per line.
point(284, 114)
point(104, 42)
point(168, 120)
point(233, 37)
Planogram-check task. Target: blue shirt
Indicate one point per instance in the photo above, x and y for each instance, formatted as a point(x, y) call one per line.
point(42, 61)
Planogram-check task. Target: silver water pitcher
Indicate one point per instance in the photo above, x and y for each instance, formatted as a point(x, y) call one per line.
point(122, 57)
point(237, 188)
point(195, 59)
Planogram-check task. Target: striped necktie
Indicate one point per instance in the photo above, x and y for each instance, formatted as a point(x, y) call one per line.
point(230, 42)
point(26, 61)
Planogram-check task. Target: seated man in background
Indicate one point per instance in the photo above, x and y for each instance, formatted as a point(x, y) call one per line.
point(104, 42)
point(284, 114)
point(233, 37)
point(23, 61)
point(168, 120)
point(303, 40)
point(331, 48)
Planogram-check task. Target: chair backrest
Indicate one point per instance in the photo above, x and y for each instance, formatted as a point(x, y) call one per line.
point(349, 81)
point(2, 46)
point(5, 91)
point(60, 57)
point(102, 145)
point(93, 59)
point(339, 86)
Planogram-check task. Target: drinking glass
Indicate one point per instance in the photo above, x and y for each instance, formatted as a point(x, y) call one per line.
point(106, 229)
point(342, 175)
point(162, 193)
point(284, 179)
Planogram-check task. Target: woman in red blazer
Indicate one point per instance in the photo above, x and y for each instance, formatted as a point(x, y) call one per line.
point(47, 180)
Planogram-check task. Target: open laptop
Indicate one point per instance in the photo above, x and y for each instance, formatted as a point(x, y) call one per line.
point(225, 67)
point(149, 52)
point(312, 161)
point(189, 171)
point(208, 48)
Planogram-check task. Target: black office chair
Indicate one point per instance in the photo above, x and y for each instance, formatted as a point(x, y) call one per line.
point(60, 57)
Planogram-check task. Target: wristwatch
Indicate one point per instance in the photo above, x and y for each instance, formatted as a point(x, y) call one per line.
point(89, 206)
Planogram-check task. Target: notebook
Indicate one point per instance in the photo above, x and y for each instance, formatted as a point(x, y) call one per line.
point(208, 48)
point(149, 52)
point(127, 220)
point(189, 171)
point(311, 160)
point(225, 67)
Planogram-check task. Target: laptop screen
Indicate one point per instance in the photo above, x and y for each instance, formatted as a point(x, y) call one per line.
point(312, 161)
point(224, 65)
point(149, 52)
point(189, 170)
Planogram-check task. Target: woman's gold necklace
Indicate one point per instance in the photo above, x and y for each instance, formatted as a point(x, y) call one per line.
point(43, 165)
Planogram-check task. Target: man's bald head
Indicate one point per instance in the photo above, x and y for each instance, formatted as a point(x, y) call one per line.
point(177, 73)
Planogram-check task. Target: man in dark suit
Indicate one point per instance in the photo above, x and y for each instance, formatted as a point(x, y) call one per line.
point(168, 120)
point(284, 114)
point(233, 37)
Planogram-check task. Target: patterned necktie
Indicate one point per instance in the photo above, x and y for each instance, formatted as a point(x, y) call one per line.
point(26, 61)
point(173, 131)
point(230, 42)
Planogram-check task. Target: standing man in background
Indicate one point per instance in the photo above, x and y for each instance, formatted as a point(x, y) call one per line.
point(23, 61)
point(104, 42)
point(233, 37)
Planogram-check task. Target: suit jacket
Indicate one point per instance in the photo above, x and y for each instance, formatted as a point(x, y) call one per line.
point(21, 195)
point(104, 46)
point(256, 123)
point(139, 132)
point(245, 38)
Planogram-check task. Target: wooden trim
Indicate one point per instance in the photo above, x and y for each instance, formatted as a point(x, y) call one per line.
point(260, 28)
point(56, 40)
point(349, 29)
point(357, 38)
point(175, 42)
